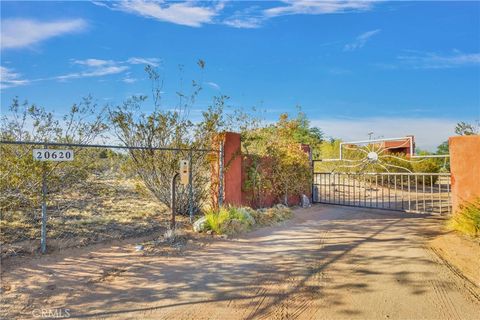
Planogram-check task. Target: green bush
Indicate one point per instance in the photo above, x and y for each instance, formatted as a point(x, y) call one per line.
point(427, 166)
point(279, 166)
point(242, 214)
point(214, 219)
point(467, 219)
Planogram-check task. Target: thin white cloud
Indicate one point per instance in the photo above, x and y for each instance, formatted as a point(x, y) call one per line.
point(10, 78)
point(361, 40)
point(151, 61)
point(254, 17)
point(428, 132)
point(428, 60)
point(213, 85)
point(248, 18)
point(20, 33)
point(96, 72)
point(94, 62)
point(94, 68)
point(100, 3)
point(100, 67)
point(129, 79)
point(89, 68)
point(188, 13)
point(318, 7)
point(244, 22)
point(196, 13)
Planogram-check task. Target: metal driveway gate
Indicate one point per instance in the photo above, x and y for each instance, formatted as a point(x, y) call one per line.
point(364, 178)
point(411, 192)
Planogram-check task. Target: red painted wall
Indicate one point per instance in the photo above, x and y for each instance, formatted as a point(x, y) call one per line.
point(465, 168)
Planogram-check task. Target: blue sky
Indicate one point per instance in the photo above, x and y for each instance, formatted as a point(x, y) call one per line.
point(394, 68)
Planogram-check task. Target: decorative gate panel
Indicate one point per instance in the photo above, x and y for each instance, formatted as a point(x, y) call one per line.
point(386, 185)
point(411, 192)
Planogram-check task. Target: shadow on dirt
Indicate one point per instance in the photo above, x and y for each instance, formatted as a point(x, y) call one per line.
point(284, 269)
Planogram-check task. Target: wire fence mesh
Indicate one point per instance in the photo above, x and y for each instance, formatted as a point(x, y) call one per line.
point(97, 196)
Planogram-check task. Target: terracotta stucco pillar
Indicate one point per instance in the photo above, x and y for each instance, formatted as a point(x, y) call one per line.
point(232, 183)
point(232, 170)
point(465, 168)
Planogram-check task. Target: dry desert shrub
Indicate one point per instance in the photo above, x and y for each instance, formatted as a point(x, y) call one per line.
point(467, 219)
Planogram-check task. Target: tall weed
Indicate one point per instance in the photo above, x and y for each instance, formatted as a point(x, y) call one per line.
point(467, 219)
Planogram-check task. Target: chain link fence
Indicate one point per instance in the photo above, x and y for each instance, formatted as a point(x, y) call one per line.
point(96, 195)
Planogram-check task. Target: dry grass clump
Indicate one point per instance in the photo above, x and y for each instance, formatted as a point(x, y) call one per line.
point(174, 236)
point(172, 243)
point(233, 220)
point(273, 215)
point(467, 219)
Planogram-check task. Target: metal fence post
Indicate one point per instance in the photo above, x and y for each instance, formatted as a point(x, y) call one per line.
point(172, 204)
point(220, 177)
point(43, 240)
point(190, 187)
point(312, 165)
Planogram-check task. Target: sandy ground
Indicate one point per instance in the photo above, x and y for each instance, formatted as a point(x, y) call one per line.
point(329, 262)
point(461, 254)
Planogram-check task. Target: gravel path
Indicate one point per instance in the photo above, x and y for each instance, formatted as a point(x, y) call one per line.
point(329, 262)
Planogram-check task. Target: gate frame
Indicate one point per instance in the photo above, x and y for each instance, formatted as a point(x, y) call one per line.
point(411, 195)
point(372, 156)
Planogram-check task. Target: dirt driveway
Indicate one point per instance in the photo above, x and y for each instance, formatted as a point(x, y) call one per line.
point(329, 262)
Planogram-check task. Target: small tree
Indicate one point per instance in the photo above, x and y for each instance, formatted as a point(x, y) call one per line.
point(167, 128)
point(279, 166)
point(443, 148)
point(21, 175)
point(467, 129)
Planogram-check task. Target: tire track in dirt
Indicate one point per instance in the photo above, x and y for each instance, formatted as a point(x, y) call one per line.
point(259, 298)
point(284, 300)
point(466, 283)
point(443, 300)
point(441, 297)
point(297, 297)
point(304, 299)
point(317, 275)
